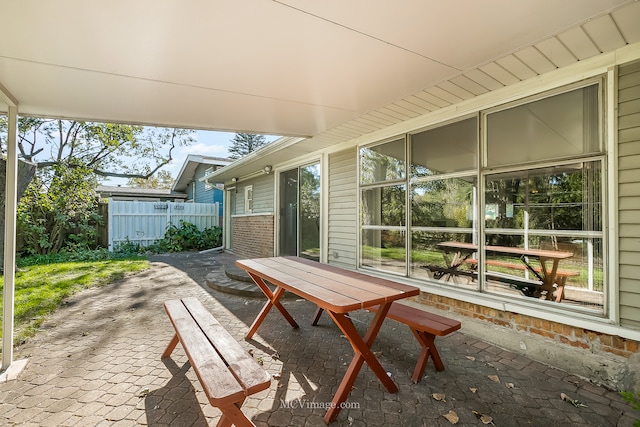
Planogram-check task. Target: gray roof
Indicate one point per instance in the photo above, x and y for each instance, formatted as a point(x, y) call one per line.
point(187, 172)
point(112, 190)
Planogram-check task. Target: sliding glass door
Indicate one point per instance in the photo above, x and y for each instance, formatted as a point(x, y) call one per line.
point(300, 212)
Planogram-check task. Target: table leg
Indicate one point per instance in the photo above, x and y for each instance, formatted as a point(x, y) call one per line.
point(549, 277)
point(316, 316)
point(273, 301)
point(562, 280)
point(363, 353)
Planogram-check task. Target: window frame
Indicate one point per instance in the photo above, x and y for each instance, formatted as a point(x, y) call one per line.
point(482, 171)
point(382, 184)
point(248, 199)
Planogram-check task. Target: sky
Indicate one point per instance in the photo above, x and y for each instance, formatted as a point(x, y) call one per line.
point(207, 143)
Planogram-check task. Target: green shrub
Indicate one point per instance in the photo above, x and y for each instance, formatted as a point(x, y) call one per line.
point(127, 249)
point(187, 237)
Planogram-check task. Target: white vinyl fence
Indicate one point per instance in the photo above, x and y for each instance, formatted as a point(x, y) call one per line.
point(146, 222)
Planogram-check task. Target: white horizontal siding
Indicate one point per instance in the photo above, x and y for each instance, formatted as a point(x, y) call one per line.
point(263, 197)
point(629, 193)
point(342, 231)
point(629, 313)
point(629, 216)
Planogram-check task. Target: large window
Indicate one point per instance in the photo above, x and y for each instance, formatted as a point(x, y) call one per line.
point(513, 207)
point(560, 126)
point(383, 209)
point(555, 208)
point(444, 163)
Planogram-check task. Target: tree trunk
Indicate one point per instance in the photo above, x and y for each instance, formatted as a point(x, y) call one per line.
point(25, 174)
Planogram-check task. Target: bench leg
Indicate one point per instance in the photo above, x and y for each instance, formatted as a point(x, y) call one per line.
point(233, 416)
point(427, 342)
point(170, 347)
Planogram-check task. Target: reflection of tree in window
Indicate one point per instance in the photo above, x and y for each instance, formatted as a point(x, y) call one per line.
point(442, 203)
point(561, 198)
point(383, 162)
point(309, 208)
point(383, 206)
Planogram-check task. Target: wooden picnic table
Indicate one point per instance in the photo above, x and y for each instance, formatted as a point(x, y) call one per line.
point(547, 274)
point(337, 291)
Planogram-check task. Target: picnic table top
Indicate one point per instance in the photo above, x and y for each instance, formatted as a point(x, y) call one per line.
point(507, 250)
point(332, 288)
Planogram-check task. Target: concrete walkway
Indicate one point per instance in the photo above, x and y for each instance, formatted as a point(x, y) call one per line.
point(96, 362)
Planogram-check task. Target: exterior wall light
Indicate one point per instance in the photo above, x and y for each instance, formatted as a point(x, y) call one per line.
point(267, 169)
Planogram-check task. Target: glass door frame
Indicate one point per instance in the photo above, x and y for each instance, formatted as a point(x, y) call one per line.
point(280, 185)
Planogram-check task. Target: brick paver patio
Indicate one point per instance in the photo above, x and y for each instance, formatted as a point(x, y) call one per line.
point(97, 362)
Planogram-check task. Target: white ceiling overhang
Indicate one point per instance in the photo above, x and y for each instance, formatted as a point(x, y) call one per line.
point(330, 70)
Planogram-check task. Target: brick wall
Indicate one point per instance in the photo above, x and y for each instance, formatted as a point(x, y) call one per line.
point(557, 332)
point(252, 236)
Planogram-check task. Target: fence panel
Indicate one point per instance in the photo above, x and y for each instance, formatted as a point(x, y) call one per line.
point(146, 222)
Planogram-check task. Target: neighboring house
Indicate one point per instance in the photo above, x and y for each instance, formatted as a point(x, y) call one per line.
point(190, 180)
point(550, 157)
point(140, 194)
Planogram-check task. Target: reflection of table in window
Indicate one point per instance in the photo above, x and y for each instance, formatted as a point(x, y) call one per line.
point(547, 274)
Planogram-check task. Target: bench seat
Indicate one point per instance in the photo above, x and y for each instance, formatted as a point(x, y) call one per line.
point(528, 287)
point(226, 371)
point(439, 272)
point(520, 266)
point(425, 327)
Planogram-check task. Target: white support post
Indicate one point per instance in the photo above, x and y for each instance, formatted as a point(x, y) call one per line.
point(11, 192)
point(110, 223)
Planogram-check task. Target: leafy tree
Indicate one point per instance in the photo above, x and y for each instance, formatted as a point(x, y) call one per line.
point(58, 210)
point(162, 179)
point(309, 226)
point(245, 143)
point(102, 149)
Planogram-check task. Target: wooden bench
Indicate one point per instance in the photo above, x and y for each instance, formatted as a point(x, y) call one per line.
point(425, 327)
point(439, 272)
point(528, 287)
point(227, 372)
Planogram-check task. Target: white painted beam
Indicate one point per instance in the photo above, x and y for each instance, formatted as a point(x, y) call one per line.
point(7, 98)
point(11, 191)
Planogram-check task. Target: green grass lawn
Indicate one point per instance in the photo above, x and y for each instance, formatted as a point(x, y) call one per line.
point(40, 288)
